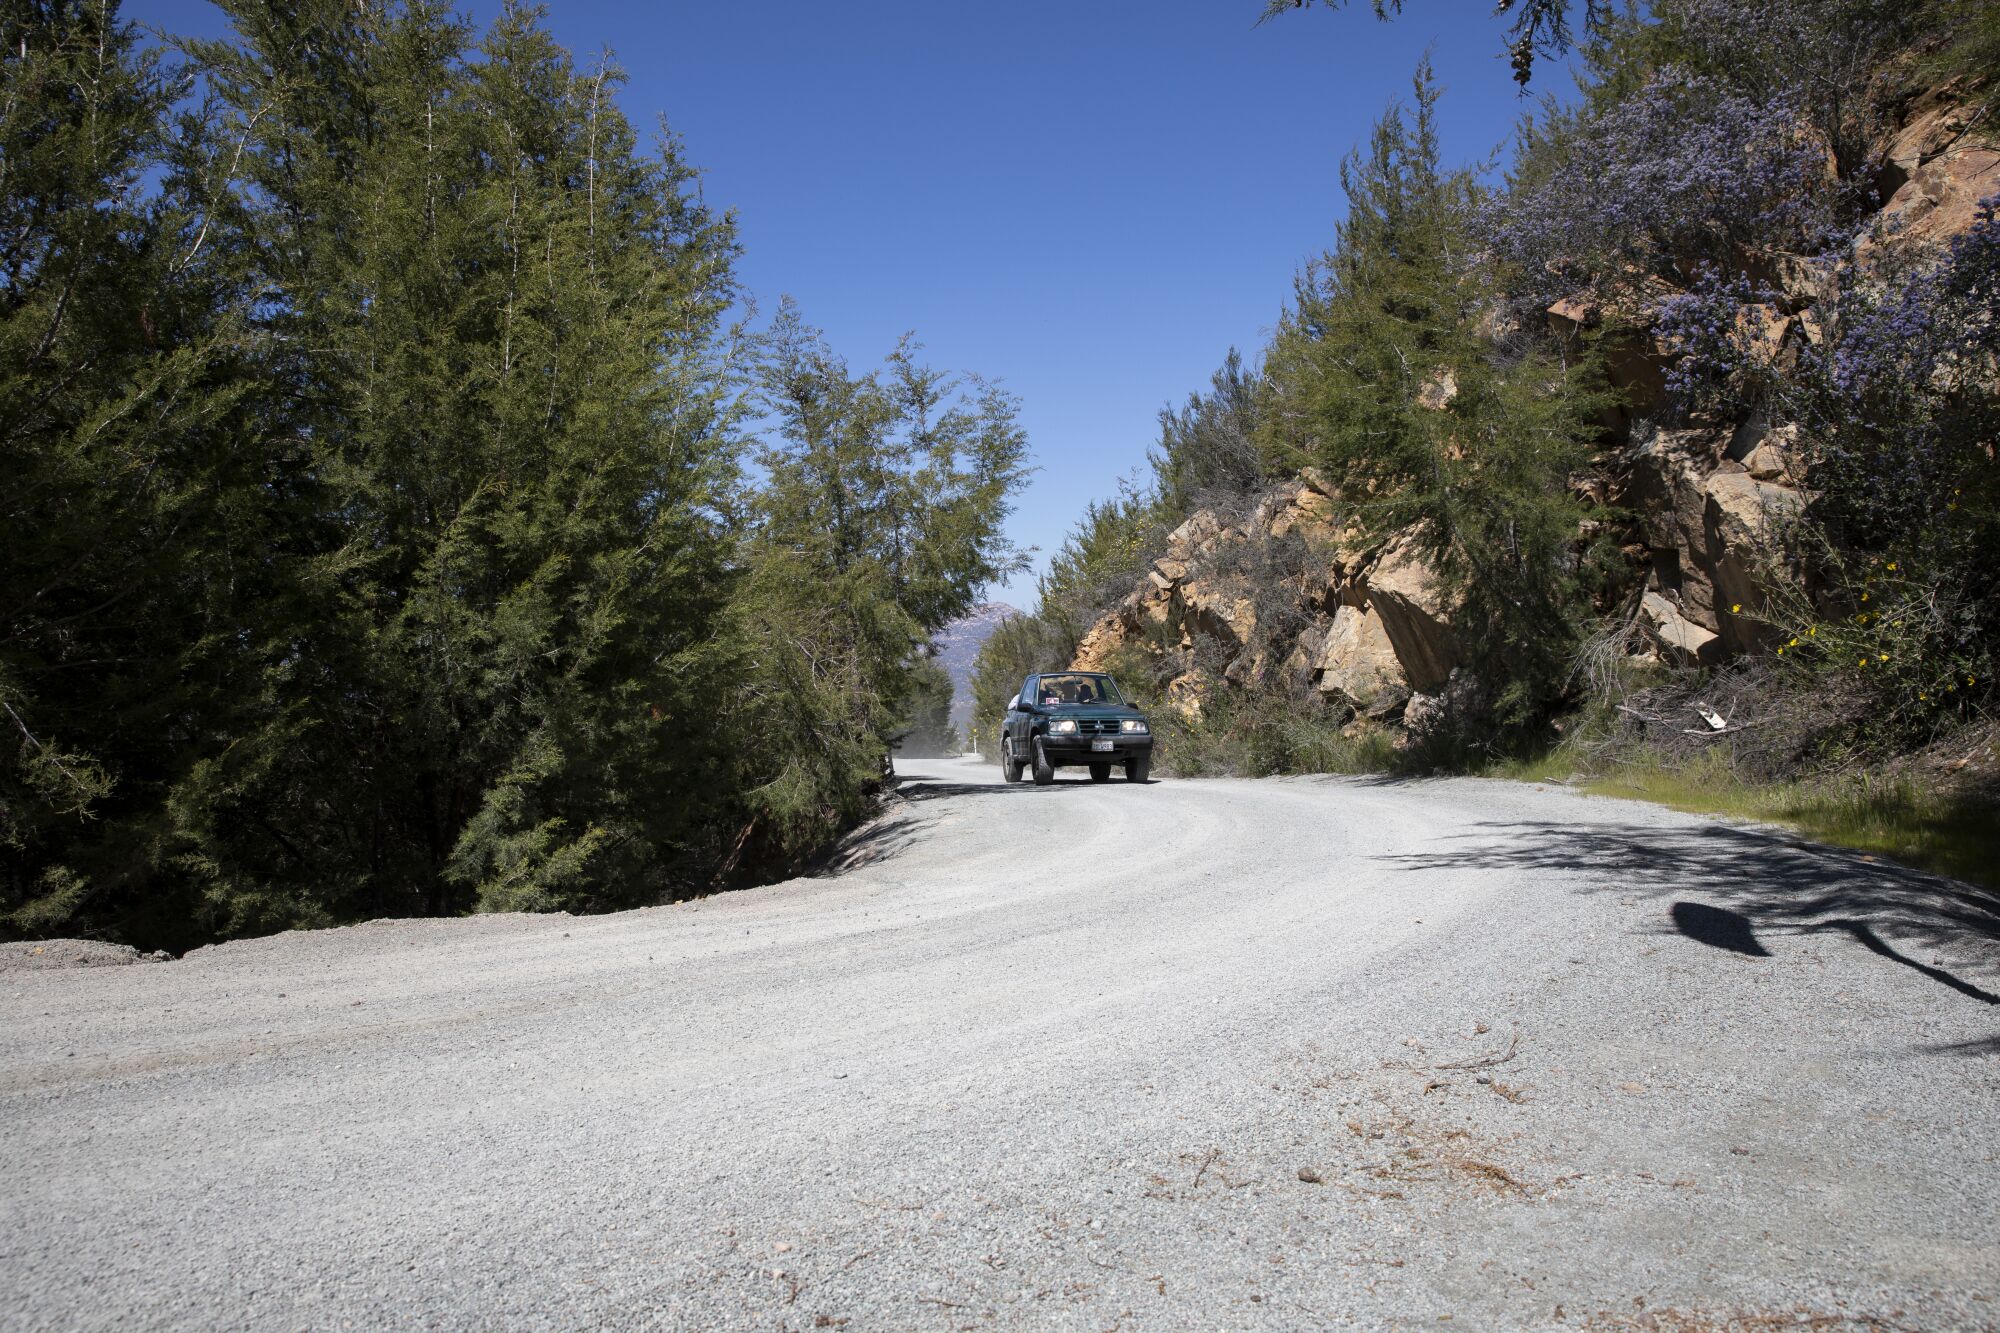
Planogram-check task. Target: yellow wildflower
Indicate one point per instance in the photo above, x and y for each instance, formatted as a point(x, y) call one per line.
point(1864, 596)
point(1735, 607)
point(1892, 564)
point(1882, 657)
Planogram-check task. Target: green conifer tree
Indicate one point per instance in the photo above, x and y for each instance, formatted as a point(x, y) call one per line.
point(133, 527)
point(1385, 377)
point(494, 320)
point(880, 521)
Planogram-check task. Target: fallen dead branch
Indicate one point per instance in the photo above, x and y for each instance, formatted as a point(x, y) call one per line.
point(1488, 1061)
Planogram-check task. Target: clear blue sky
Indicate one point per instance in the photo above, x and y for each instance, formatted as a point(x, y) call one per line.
point(1091, 200)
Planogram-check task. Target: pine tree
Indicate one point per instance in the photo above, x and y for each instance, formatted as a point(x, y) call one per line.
point(879, 522)
point(1385, 378)
point(132, 523)
point(494, 326)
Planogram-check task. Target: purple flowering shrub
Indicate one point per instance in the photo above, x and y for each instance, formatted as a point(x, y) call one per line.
point(1902, 410)
point(1684, 174)
point(1711, 328)
point(1718, 136)
point(1823, 56)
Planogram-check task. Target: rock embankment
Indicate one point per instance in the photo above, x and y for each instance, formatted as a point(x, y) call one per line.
point(1365, 624)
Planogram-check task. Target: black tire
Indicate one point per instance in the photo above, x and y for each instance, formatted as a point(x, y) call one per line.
point(1010, 768)
point(1100, 772)
point(1137, 770)
point(1045, 772)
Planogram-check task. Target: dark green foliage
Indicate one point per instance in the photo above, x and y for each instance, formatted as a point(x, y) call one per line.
point(494, 320)
point(928, 730)
point(1383, 378)
point(371, 504)
point(1018, 647)
point(1096, 564)
point(879, 524)
point(1969, 53)
point(131, 526)
point(1208, 449)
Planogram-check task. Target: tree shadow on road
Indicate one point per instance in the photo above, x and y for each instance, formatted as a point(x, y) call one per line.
point(899, 826)
point(1756, 880)
point(932, 789)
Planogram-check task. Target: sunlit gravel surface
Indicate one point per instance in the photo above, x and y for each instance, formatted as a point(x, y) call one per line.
point(1192, 1055)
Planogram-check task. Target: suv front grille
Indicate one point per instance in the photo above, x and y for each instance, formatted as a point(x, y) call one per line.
point(1097, 726)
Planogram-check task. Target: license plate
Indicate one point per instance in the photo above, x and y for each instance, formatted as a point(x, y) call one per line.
point(1102, 747)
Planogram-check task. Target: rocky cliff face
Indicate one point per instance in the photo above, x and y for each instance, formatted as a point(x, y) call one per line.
point(1363, 624)
point(1366, 627)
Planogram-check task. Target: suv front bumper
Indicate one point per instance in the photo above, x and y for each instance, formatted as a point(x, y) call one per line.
point(1077, 749)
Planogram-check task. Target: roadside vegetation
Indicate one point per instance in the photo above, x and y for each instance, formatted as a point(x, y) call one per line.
point(1465, 370)
point(394, 521)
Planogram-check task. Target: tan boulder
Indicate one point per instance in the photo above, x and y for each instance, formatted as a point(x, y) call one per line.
point(1713, 507)
point(1761, 331)
point(1217, 610)
point(1100, 642)
point(1402, 590)
point(1358, 664)
point(1767, 452)
point(1438, 392)
point(1304, 510)
point(1680, 639)
point(1934, 174)
point(1744, 522)
point(1669, 469)
point(1297, 670)
point(1148, 604)
point(1196, 534)
point(1187, 693)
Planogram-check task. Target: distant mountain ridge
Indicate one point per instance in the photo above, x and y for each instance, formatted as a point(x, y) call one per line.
point(958, 648)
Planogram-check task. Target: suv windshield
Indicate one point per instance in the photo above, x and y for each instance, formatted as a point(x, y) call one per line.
point(1076, 688)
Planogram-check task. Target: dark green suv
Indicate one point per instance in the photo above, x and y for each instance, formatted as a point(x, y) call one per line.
point(1075, 718)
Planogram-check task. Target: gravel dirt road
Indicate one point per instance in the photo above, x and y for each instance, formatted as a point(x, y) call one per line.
point(1218, 1054)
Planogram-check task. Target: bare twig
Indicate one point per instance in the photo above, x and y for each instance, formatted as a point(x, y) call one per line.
point(1487, 1062)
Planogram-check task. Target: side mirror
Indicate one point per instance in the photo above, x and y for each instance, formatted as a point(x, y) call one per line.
point(1014, 704)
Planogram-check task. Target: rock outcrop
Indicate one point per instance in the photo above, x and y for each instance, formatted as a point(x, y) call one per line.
point(1934, 174)
point(1366, 627)
point(1358, 664)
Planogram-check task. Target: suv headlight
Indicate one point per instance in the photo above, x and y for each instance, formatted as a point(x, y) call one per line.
point(1133, 724)
point(1065, 726)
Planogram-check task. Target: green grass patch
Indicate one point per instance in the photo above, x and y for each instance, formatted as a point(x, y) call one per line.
point(1892, 816)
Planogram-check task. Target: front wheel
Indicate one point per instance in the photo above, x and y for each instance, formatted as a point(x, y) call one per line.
point(1045, 772)
point(1136, 770)
point(1010, 767)
point(1100, 772)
